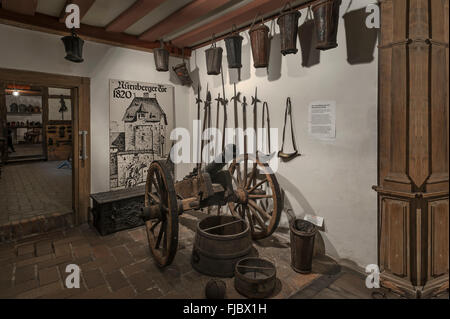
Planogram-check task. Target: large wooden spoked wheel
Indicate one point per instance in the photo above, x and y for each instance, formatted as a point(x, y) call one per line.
point(162, 232)
point(259, 196)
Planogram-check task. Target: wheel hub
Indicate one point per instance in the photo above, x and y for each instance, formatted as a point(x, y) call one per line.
point(242, 196)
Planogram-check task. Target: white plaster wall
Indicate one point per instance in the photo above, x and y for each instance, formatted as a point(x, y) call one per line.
point(37, 51)
point(331, 179)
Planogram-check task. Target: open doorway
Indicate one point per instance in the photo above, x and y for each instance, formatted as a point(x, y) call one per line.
point(41, 178)
point(37, 180)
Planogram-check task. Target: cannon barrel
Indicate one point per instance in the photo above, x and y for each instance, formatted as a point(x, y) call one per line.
point(221, 160)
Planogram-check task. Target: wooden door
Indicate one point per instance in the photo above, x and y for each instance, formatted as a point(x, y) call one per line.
point(81, 123)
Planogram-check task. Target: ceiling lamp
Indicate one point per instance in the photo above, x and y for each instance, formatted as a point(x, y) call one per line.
point(74, 47)
point(15, 93)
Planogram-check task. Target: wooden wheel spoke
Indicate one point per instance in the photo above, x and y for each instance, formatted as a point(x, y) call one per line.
point(161, 232)
point(162, 188)
point(259, 196)
point(155, 183)
point(250, 178)
point(233, 208)
point(250, 220)
point(155, 197)
point(259, 209)
point(239, 174)
point(257, 185)
point(240, 210)
point(154, 225)
point(258, 218)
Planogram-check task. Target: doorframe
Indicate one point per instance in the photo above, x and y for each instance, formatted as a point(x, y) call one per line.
point(81, 168)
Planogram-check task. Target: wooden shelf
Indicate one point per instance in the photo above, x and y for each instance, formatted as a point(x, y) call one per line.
point(14, 127)
point(23, 113)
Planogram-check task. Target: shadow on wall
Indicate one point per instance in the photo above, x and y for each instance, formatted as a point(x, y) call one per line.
point(308, 42)
point(242, 74)
point(275, 58)
point(195, 75)
point(361, 41)
point(321, 240)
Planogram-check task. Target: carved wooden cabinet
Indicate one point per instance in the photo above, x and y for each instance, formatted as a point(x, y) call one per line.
point(413, 184)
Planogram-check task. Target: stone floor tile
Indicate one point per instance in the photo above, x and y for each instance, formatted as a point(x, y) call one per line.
point(123, 293)
point(142, 281)
point(48, 275)
point(25, 249)
point(116, 280)
point(93, 278)
point(40, 291)
point(25, 273)
point(96, 293)
point(151, 293)
point(122, 255)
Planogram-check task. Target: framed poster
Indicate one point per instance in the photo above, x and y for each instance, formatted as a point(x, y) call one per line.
point(141, 119)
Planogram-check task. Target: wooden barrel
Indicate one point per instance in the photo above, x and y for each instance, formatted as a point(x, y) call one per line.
point(259, 38)
point(255, 278)
point(220, 242)
point(326, 18)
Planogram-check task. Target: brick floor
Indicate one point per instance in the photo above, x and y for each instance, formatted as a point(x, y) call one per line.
point(34, 189)
point(121, 266)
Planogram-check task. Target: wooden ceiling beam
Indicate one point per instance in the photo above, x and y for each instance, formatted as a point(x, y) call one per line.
point(181, 17)
point(239, 16)
point(84, 5)
point(133, 14)
point(49, 24)
point(27, 7)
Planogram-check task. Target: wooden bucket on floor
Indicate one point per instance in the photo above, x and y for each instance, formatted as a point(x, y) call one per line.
point(220, 242)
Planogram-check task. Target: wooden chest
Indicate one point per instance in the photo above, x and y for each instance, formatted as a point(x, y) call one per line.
point(118, 210)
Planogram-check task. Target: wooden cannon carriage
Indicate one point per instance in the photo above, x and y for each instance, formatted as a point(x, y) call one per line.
point(248, 190)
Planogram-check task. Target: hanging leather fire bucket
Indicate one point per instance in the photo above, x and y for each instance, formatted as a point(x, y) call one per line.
point(326, 17)
point(288, 22)
point(306, 34)
point(74, 47)
point(214, 59)
point(161, 58)
point(259, 38)
point(183, 74)
point(233, 44)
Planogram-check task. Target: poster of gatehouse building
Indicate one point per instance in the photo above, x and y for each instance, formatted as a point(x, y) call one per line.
point(141, 119)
